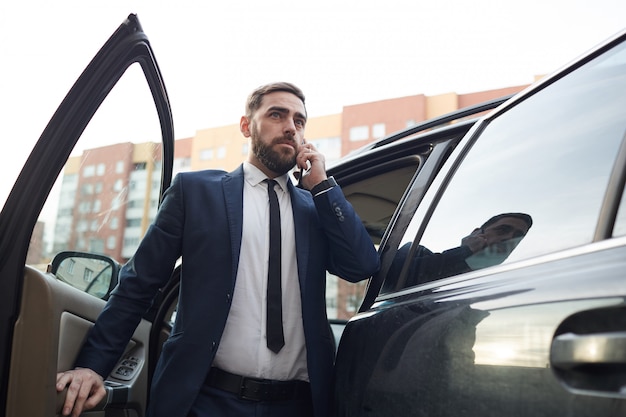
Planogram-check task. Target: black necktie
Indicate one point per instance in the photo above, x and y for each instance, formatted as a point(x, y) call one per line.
point(275, 337)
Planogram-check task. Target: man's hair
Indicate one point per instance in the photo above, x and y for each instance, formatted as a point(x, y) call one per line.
point(522, 216)
point(256, 97)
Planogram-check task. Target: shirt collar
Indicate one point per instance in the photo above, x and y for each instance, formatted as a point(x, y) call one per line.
point(254, 176)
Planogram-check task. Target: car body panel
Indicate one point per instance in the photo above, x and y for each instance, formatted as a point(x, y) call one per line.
point(467, 346)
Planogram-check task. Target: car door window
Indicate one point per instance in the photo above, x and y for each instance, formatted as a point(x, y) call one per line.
point(374, 195)
point(108, 191)
point(532, 184)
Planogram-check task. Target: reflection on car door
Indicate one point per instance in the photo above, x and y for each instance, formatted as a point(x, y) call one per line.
point(43, 320)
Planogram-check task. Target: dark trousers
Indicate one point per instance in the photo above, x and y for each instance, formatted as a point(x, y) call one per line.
point(213, 402)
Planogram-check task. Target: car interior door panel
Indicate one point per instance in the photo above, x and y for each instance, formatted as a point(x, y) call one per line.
point(52, 325)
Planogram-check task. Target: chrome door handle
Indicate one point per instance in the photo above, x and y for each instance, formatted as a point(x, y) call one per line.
point(571, 350)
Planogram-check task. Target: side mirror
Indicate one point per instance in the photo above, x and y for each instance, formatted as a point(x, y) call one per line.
point(94, 274)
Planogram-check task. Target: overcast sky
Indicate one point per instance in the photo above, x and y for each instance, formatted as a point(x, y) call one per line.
point(340, 52)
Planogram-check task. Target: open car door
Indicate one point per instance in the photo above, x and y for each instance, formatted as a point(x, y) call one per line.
point(86, 194)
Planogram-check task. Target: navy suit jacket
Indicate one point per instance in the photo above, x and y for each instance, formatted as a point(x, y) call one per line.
point(200, 220)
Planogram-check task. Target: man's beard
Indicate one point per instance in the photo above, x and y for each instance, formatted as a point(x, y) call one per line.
point(274, 161)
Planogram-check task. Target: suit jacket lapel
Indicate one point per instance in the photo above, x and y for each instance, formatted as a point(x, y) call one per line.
point(233, 196)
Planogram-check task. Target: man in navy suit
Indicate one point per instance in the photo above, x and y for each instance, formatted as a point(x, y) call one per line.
point(216, 361)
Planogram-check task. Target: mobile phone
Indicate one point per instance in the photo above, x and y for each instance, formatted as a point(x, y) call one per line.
point(303, 172)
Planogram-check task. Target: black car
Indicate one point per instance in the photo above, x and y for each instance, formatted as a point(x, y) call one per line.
point(502, 290)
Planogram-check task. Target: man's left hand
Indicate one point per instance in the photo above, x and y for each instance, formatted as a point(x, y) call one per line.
point(313, 165)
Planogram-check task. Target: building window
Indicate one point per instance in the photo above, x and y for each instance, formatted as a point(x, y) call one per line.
point(378, 130)
point(119, 167)
point(221, 152)
point(87, 274)
point(359, 133)
point(87, 189)
point(133, 222)
point(352, 302)
point(100, 170)
point(82, 226)
point(244, 149)
point(330, 147)
point(84, 207)
point(113, 224)
point(89, 171)
point(131, 242)
point(206, 154)
point(111, 242)
point(181, 163)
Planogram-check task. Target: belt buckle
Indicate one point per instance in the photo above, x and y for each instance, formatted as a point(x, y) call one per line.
point(251, 389)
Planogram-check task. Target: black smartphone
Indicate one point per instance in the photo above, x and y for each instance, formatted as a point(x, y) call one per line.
point(303, 172)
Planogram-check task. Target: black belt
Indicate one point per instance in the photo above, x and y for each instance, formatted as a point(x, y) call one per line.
point(257, 389)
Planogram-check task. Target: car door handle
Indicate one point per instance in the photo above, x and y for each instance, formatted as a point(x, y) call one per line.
point(116, 393)
point(571, 350)
point(594, 364)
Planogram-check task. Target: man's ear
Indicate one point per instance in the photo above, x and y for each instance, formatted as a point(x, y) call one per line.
point(244, 126)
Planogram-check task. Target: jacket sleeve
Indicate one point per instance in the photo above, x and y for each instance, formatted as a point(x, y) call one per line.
point(352, 254)
point(139, 281)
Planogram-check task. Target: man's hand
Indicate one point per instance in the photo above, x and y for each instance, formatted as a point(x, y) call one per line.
point(309, 157)
point(85, 389)
point(475, 241)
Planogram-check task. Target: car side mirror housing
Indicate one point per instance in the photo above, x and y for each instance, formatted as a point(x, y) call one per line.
point(89, 272)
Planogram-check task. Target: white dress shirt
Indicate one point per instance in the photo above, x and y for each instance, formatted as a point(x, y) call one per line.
point(243, 349)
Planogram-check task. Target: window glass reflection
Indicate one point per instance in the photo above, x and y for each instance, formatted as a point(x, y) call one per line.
point(548, 158)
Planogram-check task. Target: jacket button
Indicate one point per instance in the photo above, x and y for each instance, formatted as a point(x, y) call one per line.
point(338, 212)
